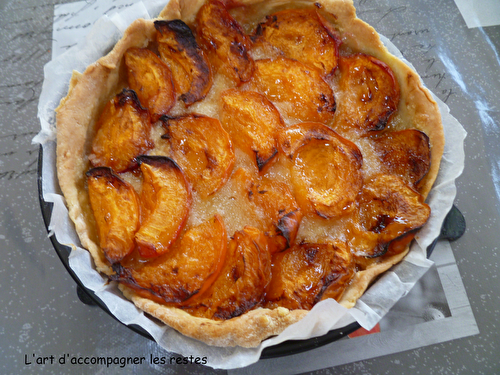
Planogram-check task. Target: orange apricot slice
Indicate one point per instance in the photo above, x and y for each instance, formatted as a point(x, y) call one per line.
point(203, 149)
point(301, 34)
point(166, 201)
point(405, 153)
point(225, 40)
point(191, 71)
point(326, 175)
point(388, 209)
point(151, 80)
point(298, 91)
point(115, 205)
point(123, 133)
point(243, 280)
point(293, 137)
point(252, 122)
point(275, 210)
point(371, 93)
point(302, 274)
point(186, 271)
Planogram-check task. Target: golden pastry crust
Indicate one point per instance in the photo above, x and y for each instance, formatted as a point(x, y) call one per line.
point(89, 92)
point(247, 330)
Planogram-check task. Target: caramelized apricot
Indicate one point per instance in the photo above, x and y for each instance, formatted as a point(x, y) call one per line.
point(123, 133)
point(282, 211)
point(297, 90)
point(301, 35)
point(187, 270)
point(341, 276)
point(405, 153)
point(166, 200)
point(252, 122)
point(365, 244)
point(371, 93)
point(293, 137)
point(276, 211)
point(326, 176)
point(190, 68)
point(203, 149)
point(115, 205)
point(388, 209)
point(243, 280)
point(302, 274)
point(151, 80)
point(225, 40)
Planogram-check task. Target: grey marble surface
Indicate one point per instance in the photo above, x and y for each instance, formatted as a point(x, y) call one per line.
point(41, 319)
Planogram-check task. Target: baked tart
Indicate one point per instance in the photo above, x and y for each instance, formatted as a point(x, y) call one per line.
point(231, 164)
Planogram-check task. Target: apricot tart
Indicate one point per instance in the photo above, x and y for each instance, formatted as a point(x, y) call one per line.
point(231, 164)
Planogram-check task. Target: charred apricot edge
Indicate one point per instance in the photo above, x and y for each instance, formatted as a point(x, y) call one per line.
point(191, 71)
point(400, 244)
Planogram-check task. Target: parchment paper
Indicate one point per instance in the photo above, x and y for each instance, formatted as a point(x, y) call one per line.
point(326, 315)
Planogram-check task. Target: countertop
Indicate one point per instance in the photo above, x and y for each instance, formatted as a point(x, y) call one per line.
point(44, 327)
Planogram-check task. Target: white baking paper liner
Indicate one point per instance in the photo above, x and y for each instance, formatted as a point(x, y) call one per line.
point(326, 315)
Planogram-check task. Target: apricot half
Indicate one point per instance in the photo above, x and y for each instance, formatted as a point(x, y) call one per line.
point(166, 201)
point(203, 149)
point(224, 39)
point(252, 122)
point(371, 93)
point(301, 34)
point(296, 89)
point(326, 175)
point(302, 274)
point(388, 209)
point(405, 153)
point(190, 68)
point(274, 208)
point(282, 212)
point(115, 205)
point(123, 133)
point(151, 80)
point(243, 280)
point(187, 270)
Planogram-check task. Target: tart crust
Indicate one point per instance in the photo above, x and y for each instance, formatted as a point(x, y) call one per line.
point(89, 92)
